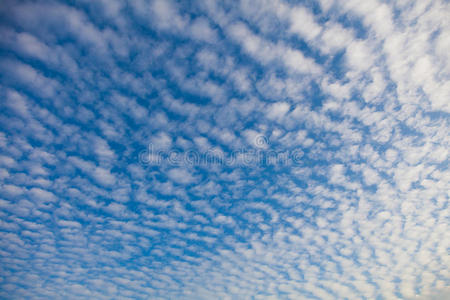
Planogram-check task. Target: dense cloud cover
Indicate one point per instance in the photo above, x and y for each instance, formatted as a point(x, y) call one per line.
point(252, 149)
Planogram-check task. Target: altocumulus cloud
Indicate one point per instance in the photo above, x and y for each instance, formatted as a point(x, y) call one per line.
point(359, 91)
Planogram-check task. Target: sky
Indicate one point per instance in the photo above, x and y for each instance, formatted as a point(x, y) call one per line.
point(233, 149)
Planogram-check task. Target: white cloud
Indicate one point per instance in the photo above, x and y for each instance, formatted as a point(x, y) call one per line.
point(335, 37)
point(303, 23)
point(42, 195)
point(71, 224)
point(12, 190)
point(18, 103)
point(161, 141)
point(359, 56)
point(371, 176)
point(267, 52)
point(201, 30)
point(277, 110)
point(255, 139)
point(181, 176)
point(226, 220)
point(337, 175)
point(104, 176)
point(167, 16)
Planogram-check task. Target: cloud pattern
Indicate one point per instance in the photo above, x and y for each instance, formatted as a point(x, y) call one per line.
point(109, 107)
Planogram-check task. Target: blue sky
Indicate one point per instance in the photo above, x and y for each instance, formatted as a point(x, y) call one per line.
point(206, 149)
